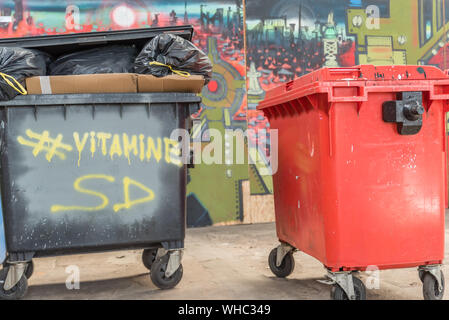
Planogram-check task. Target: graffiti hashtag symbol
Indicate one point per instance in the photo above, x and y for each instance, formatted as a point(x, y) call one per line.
point(43, 143)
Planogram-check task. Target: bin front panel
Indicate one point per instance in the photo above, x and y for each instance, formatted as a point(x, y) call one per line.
point(390, 187)
point(83, 176)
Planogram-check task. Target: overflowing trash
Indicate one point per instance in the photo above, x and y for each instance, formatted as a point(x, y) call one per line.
point(17, 64)
point(167, 54)
point(107, 59)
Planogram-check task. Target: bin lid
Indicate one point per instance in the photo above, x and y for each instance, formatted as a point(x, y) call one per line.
point(92, 99)
point(365, 78)
point(57, 45)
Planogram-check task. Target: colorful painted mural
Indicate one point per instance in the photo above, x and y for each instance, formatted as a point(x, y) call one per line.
point(284, 39)
point(289, 38)
point(218, 32)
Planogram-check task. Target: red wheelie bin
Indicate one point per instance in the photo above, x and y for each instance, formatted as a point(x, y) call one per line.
point(361, 178)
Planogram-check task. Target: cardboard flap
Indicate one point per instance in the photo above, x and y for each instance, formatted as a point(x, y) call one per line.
point(113, 83)
point(86, 83)
point(171, 83)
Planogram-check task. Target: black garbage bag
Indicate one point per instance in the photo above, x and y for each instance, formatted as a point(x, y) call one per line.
point(17, 64)
point(107, 59)
point(173, 51)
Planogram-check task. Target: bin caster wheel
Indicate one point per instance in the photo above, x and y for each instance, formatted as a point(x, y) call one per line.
point(337, 293)
point(148, 257)
point(17, 292)
point(430, 287)
point(29, 270)
point(158, 274)
point(287, 266)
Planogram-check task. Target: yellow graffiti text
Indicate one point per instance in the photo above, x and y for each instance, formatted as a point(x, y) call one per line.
point(128, 146)
point(116, 149)
point(142, 147)
point(92, 143)
point(152, 150)
point(77, 187)
point(43, 143)
point(115, 146)
point(172, 152)
point(102, 139)
point(128, 202)
point(80, 144)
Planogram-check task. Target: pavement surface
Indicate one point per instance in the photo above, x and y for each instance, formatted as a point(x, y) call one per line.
point(227, 263)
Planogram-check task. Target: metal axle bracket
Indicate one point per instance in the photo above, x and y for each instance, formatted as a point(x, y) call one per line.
point(15, 273)
point(174, 260)
point(282, 250)
point(343, 280)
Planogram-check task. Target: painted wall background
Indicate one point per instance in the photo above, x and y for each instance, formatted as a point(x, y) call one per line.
point(214, 192)
point(289, 38)
point(284, 39)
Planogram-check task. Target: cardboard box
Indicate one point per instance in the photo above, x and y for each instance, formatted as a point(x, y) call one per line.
point(171, 83)
point(86, 83)
point(113, 83)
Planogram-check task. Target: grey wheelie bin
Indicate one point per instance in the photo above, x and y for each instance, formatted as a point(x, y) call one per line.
point(85, 173)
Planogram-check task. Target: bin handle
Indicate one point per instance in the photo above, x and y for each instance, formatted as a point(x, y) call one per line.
point(20, 89)
point(354, 72)
point(178, 72)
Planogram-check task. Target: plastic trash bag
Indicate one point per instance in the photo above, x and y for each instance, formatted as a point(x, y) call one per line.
point(17, 64)
point(176, 52)
point(107, 59)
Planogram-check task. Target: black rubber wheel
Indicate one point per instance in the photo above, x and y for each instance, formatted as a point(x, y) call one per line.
point(158, 274)
point(287, 266)
point(430, 287)
point(17, 292)
point(148, 257)
point(337, 292)
point(29, 269)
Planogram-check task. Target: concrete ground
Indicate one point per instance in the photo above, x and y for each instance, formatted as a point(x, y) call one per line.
point(219, 263)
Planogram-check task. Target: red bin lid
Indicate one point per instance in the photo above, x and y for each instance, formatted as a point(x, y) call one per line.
point(365, 78)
